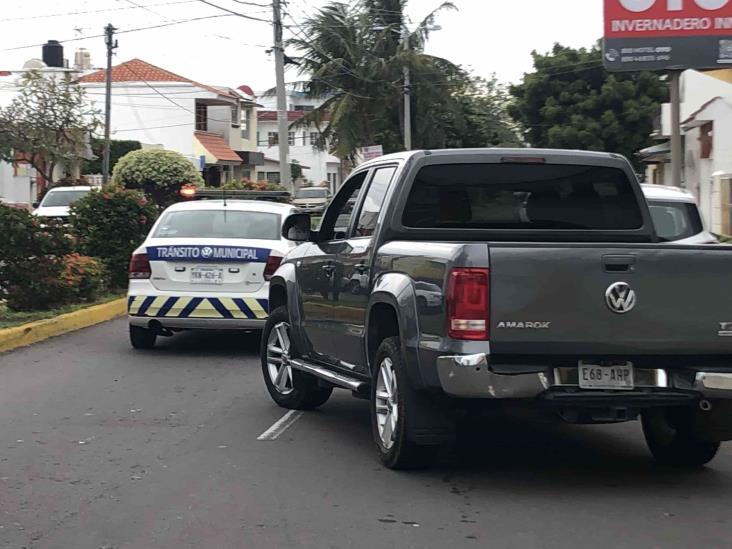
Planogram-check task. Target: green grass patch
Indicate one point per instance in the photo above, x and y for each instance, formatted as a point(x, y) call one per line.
point(9, 318)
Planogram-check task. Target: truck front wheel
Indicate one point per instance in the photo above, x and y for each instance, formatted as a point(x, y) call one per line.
point(671, 439)
point(288, 387)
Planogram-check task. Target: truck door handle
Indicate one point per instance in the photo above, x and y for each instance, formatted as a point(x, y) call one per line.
point(618, 263)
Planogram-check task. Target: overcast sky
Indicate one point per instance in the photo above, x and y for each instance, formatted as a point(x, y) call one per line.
point(489, 36)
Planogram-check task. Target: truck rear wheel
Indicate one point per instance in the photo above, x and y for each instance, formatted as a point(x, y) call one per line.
point(288, 387)
point(671, 440)
point(393, 402)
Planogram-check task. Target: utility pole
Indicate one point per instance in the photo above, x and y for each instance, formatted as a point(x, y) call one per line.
point(676, 149)
point(407, 96)
point(282, 121)
point(111, 46)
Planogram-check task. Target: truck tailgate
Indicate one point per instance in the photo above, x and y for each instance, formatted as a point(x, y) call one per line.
point(552, 300)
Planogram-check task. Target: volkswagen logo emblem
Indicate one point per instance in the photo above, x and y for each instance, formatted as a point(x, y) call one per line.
point(620, 298)
point(207, 251)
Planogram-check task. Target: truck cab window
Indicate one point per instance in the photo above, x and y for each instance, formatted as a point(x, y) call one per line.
point(374, 200)
point(338, 216)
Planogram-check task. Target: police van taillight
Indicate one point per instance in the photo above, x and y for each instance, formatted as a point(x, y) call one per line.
point(140, 266)
point(273, 263)
point(468, 304)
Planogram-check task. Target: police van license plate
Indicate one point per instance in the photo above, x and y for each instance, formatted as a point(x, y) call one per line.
point(618, 376)
point(207, 275)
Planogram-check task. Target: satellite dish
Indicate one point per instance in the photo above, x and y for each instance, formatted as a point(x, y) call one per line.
point(34, 64)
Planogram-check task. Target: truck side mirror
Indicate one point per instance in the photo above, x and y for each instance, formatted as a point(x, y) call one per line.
point(297, 227)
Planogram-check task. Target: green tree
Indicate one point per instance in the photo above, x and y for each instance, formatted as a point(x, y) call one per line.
point(354, 57)
point(570, 101)
point(117, 149)
point(158, 173)
point(49, 123)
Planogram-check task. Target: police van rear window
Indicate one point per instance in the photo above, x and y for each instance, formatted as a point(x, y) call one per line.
point(219, 224)
point(522, 196)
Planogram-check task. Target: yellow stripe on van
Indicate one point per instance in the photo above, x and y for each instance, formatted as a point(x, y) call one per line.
point(253, 304)
point(230, 306)
point(205, 310)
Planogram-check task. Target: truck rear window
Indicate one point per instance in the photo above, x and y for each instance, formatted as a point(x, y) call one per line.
point(522, 196)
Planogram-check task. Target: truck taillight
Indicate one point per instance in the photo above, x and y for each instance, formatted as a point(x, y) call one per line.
point(140, 266)
point(273, 263)
point(468, 304)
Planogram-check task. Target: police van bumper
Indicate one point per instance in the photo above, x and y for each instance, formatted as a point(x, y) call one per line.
point(149, 307)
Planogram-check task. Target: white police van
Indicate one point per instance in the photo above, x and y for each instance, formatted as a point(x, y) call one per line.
point(205, 265)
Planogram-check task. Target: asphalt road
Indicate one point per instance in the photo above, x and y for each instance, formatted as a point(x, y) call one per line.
point(104, 447)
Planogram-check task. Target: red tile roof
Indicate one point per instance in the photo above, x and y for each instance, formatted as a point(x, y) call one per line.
point(137, 70)
point(271, 116)
point(218, 148)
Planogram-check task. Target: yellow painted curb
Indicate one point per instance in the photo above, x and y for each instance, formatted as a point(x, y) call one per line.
point(33, 332)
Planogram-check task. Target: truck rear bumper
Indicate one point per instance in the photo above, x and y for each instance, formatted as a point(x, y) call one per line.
point(470, 376)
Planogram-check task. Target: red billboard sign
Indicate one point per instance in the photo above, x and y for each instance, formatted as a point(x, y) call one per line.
point(667, 34)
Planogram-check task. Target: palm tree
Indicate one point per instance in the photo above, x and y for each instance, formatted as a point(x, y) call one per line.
point(354, 57)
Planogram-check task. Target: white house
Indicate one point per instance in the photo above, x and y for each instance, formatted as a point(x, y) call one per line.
point(215, 127)
point(318, 165)
point(706, 114)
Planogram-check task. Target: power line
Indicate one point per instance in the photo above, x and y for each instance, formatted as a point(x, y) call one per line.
point(64, 14)
point(232, 12)
point(253, 4)
point(179, 22)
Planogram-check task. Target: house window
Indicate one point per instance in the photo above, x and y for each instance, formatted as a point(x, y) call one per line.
point(273, 138)
point(706, 140)
point(291, 139)
point(273, 177)
point(333, 179)
point(235, 116)
point(246, 123)
point(316, 140)
point(201, 117)
point(304, 108)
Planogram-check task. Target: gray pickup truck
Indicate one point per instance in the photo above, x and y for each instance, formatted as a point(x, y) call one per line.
point(445, 281)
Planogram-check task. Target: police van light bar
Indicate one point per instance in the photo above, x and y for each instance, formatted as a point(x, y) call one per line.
point(189, 192)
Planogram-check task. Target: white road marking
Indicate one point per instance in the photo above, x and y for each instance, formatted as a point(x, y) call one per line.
point(281, 425)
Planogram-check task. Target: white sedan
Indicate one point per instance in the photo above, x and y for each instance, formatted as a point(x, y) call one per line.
point(676, 215)
point(205, 265)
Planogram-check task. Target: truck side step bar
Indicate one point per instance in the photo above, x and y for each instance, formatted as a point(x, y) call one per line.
point(333, 378)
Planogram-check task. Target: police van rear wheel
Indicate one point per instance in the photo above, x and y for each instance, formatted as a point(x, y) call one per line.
point(288, 387)
point(142, 338)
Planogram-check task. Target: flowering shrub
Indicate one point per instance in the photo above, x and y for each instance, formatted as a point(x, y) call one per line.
point(86, 278)
point(109, 224)
point(31, 260)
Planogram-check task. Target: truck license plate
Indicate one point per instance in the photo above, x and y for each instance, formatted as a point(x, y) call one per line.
point(614, 377)
point(207, 275)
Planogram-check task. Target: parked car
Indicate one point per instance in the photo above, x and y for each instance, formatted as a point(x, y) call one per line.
point(206, 264)
point(58, 201)
point(557, 295)
point(311, 199)
point(676, 215)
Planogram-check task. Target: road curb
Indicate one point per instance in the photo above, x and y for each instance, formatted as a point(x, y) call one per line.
point(33, 332)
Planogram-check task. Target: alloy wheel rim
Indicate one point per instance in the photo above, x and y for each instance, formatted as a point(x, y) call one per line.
point(278, 354)
point(387, 409)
